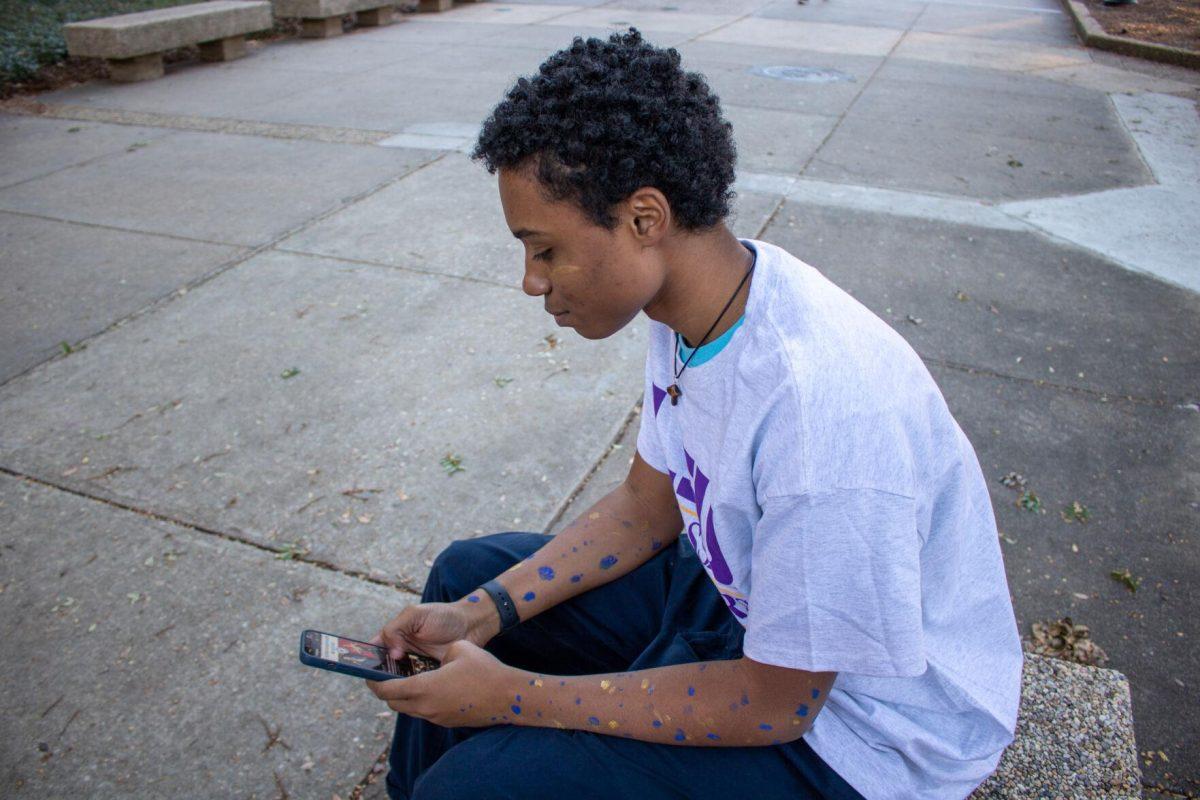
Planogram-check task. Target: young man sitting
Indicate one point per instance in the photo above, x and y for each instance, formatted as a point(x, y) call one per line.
point(834, 621)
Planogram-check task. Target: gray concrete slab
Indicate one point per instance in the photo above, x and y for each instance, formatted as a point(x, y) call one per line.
point(869, 13)
point(997, 24)
point(445, 218)
point(690, 7)
point(186, 411)
point(65, 282)
point(609, 473)
point(387, 100)
point(769, 140)
point(824, 37)
point(219, 89)
point(34, 147)
point(1152, 229)
point(552, 36)
point(1061, 314)
point(587, 3)
point(217, 187)
point(652, 22)
point(755, 87)
point(143, 659)
point(973, 51)
point(1135, 468)
point(927, 157)
point(1072, 116)
point(356, 51)
point(751, 211)
point(497, 62)
point(983, 80)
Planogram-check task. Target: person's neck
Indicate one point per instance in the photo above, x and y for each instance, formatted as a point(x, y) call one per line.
point(702, 272)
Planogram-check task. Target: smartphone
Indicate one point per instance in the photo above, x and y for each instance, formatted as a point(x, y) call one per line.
point(361, 659)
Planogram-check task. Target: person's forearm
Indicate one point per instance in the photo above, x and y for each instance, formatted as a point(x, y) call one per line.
point(709, 703)
point(608, 540)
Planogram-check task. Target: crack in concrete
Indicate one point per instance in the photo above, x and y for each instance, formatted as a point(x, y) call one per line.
point(1097, 394)
point(399, 585)
point(570, 499)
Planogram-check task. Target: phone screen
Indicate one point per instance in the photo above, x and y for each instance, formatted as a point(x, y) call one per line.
point(350, 652)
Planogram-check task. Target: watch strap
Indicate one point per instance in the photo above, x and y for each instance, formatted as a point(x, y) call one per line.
point(504, 604)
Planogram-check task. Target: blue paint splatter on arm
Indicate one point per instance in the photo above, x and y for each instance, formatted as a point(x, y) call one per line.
point(529, 596)
point(546, 573)
point(764, 726)
point(576, 578)
point(516, 709)
point(657, 723)
point(713, 736)
point(473, 598)
point(802, 711)
point(691, 691)
point(593, 721)
point(816, 693)
point(608, 561)
point(679, 735)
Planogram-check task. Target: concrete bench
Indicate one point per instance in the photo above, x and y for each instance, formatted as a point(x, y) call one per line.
point(1074, 737)
point(323, 18)
point(133, 44)
point(438, 5)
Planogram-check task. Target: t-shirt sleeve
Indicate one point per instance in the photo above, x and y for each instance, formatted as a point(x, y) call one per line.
point(836, 584)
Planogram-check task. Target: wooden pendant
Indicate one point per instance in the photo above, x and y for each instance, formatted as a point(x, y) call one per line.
point(675, 393)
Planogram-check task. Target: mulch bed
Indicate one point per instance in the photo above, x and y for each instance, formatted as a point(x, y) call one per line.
point(1170, 22)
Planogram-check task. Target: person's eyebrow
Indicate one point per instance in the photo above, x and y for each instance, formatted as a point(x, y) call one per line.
point(523, 232)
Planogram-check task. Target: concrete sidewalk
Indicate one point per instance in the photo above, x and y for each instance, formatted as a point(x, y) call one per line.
point(175, 510)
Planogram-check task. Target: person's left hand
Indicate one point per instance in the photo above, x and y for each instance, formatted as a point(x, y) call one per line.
point(467, 690)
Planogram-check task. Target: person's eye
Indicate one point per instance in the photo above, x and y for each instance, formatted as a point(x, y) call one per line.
point(544, 255)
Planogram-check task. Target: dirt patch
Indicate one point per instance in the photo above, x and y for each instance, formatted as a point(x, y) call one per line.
point(1170, 22)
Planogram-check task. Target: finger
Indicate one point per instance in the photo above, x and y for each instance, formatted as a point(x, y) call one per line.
point(401, 689)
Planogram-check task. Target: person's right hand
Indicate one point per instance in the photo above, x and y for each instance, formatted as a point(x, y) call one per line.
point(427, 628)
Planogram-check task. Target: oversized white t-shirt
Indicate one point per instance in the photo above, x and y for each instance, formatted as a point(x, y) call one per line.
point(841, 513)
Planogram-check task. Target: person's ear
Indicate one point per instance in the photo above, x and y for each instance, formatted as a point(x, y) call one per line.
point(650, 213)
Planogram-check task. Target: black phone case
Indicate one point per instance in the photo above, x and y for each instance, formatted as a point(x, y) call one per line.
point(345, 669)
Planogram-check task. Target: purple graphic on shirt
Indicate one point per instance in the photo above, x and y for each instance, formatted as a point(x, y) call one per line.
point(659, 394)
point(702, 532)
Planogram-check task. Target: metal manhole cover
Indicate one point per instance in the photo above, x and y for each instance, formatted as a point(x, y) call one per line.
point(803, 74)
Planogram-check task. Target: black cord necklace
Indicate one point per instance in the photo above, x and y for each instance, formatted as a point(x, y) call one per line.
point(674, 389)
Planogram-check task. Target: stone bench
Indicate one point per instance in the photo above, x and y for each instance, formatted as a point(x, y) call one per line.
point(1074, 737)
point(133, 44)
point(323, 18)
point(438, 5)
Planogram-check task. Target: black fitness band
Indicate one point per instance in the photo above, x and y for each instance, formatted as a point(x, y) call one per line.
point(504, 604)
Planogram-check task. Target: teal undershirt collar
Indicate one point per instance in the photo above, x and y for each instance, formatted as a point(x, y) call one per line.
point(706, 351)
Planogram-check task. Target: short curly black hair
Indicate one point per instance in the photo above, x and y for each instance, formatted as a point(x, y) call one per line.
point(603, 118)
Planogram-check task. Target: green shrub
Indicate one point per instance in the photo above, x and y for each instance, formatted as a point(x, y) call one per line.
point(31, 32)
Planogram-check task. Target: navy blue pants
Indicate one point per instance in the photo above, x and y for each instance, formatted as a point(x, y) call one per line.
point(666, 611)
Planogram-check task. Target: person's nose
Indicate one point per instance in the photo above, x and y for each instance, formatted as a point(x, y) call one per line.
point(535, 283)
